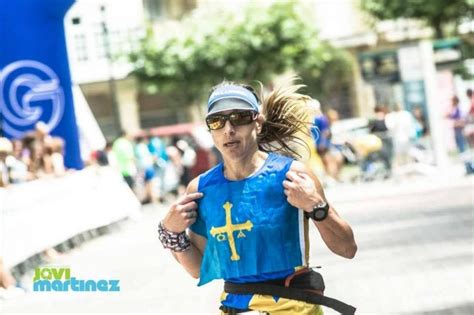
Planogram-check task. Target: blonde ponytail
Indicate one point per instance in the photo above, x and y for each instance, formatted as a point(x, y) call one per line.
point(288, 119)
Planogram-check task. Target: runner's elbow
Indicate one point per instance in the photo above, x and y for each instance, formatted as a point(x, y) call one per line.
point(195, 274)
point(193, 271)
point(350, 251)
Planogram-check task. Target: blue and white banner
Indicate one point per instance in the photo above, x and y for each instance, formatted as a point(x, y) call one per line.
point(35, 83)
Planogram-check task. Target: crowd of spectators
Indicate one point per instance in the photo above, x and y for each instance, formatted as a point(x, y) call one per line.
point(36, 155)
point(154, 167)
point(150, 165)
point(396, 138)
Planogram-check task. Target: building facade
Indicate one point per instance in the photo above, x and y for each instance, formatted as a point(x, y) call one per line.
point(100, 35)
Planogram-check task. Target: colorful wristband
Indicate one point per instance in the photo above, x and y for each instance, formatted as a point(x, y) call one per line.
point(177, 242)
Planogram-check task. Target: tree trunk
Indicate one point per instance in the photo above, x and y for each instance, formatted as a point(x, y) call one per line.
point(438, 27)
point(439, 31)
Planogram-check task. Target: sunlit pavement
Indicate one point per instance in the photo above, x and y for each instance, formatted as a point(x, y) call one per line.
point(415, 256)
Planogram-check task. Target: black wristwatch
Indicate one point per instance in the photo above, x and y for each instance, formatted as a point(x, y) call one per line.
point(320, 211)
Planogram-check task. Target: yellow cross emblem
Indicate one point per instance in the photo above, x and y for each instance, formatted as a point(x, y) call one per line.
point(228, 229)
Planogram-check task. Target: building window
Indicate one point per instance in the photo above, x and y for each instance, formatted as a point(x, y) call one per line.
point(100, 44)
point(76, 20)
point(116, 40)
point(80, 46)
point(121, 42)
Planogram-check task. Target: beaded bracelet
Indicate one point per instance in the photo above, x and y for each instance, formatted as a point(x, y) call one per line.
point(177, 242)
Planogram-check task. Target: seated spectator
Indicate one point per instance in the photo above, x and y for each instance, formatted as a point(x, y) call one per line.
point(6, 278)
point(54, 156)
point(18, 171)
point(6, 149)
point(37, 165)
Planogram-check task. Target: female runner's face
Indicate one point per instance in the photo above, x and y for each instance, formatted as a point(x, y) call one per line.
point(239, 141)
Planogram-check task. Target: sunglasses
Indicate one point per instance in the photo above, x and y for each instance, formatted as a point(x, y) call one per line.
point(217, 121)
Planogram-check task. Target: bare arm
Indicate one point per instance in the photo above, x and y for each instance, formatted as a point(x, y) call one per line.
point(191, 259)
point(181, 215)
point(304, 191)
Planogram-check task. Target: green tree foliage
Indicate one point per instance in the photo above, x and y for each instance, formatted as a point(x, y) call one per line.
point(255, 44)
point(436, 13)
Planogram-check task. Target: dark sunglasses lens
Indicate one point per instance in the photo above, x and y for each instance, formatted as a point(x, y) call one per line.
point(215, 122)
point(240, 119)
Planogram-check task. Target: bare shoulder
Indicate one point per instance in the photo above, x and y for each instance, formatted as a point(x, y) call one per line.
point(193, 185)
point(299, 167)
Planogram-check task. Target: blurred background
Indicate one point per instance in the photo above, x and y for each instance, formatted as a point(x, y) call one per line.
point(102, 107)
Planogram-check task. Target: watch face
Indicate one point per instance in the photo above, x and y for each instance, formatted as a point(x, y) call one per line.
point(319, 214)
point(320, 211)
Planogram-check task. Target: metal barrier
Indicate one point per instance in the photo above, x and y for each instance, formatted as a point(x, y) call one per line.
point(41, 214)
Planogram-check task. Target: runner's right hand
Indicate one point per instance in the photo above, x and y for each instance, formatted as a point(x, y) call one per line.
point(182, 213)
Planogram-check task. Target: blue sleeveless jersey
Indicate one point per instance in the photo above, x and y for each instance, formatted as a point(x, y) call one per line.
point(252, 232)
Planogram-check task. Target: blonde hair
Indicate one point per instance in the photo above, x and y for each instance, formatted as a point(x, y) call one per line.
point(288, 119)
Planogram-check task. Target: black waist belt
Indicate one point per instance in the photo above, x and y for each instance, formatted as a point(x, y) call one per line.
point(297, 294)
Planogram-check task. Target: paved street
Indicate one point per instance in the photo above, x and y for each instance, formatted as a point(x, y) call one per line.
point(415, 256)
